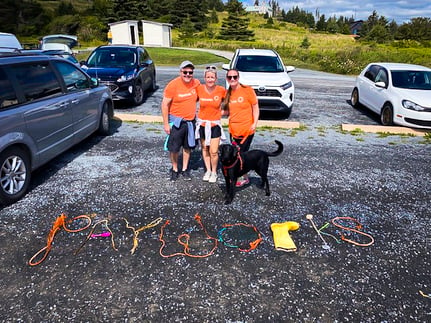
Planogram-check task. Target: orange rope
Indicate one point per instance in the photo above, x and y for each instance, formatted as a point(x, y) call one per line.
point(184, 239)
point(357, 229)
point(60, 222)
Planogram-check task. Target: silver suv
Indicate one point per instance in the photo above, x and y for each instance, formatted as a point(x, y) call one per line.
point(263, 69)
point(47, 105)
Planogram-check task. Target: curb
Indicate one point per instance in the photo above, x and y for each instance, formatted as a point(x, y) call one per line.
point(289, 125)
point(149, 118)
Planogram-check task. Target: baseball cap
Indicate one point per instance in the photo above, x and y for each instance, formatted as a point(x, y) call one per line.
point(186, 64)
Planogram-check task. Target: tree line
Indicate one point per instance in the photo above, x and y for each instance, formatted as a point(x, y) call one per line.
point(191, 17)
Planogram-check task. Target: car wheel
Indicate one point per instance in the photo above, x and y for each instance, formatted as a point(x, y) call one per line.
point(105, 120)
point(15, 174)
point(387, 115)
point(354, 98)
point(138, 94)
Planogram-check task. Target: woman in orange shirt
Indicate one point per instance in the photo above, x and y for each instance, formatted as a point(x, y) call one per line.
point(243, 109)
point(208, 123)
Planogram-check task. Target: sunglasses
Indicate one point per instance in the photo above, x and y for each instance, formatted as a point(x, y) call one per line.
point(211, 67)
point(188, 72)
point(232, 77)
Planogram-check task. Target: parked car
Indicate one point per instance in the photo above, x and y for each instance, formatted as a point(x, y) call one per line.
point(47, 105)
point(263, 69)
point(9, 43)
point(60, 42)
point(55, 52)
point(399, 93)
point(128, 70)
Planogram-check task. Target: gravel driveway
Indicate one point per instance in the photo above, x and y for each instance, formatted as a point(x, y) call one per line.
point(381, 181)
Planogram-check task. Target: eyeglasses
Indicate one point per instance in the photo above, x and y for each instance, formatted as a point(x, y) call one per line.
point(211, 67)
point(188, 72)
point(232, 77)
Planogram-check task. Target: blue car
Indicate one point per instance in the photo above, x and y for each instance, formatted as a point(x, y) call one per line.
point(128, 70)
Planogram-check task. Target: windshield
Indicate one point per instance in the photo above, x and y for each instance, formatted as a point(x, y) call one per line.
point(417, 80)
point(268, 64)
point(112, 57)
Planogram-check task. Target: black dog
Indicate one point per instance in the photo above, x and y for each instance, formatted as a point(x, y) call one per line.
point(236, 163)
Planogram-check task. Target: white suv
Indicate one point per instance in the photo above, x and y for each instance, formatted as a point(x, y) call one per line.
point(264, 70)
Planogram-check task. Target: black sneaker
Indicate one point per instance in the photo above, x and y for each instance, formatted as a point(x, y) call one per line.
point(174, 175)
point(186, 175)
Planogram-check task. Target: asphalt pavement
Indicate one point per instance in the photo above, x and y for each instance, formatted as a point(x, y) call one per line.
point(226, 267)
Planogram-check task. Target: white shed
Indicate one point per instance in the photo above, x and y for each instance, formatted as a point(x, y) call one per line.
point(156, 34)
point(125, 32)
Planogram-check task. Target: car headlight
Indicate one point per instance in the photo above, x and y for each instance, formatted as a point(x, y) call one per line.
point(125, 77)
point(412, 106)
point(287, 85)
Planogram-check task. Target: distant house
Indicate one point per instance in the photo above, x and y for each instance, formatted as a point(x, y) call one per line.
point(156, 34)
point(262, 9)
point(125, 32)
point(355, 27)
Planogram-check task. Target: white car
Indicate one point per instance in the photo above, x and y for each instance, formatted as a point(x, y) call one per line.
point(399, 93)
point(264, 71)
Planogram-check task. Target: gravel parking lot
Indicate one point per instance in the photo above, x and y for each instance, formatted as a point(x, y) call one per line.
point(381, 181)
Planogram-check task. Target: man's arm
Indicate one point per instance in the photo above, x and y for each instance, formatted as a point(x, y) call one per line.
point(166, 103)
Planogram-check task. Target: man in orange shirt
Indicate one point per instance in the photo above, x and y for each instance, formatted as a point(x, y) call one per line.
point(179, 112)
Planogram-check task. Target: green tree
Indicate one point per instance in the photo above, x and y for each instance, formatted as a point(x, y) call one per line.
point(305, 43)
point(187, 30)
point(195, 10)
point(235, 26)
point(65, 8)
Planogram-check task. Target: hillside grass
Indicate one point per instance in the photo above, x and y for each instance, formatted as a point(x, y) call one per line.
point(335, 53)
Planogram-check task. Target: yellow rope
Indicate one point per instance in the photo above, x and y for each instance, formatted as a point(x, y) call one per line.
point(137, 231)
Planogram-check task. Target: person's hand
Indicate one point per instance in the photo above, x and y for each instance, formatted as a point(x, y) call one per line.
point(167, 128)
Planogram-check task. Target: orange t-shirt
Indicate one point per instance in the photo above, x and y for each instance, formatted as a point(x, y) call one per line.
point(184, 97)
point(240, 111)
point(209, 103)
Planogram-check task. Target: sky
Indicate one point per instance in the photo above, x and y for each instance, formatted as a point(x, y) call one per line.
point(401, 11)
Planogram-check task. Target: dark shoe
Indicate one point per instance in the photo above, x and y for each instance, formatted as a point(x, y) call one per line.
point(174, 175)
point(186, 175)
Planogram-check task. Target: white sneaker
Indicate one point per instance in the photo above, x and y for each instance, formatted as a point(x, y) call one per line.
point(213, 178)
point(207, 176)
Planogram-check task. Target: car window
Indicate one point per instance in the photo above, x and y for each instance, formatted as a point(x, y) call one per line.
point(37, 80)
point(74, 79)
point(269, 64)
point(112, 58)
point(419, 80)
point(382, 76)
point(372, 72)
point(7, 93)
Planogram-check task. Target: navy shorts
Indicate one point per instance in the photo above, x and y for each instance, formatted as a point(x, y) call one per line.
point(246, 145)
point(215, 132)
point(179, 138)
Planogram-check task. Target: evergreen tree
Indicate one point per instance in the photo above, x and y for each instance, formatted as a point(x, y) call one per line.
point(195, 10)
point(235, 26)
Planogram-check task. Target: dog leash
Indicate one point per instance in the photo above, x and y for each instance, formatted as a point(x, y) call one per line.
point(356, 229)
point(229, 227)
point(184, 239)
point(58, 224)
point(137, 231)
point(238, 158)
point(90, 235)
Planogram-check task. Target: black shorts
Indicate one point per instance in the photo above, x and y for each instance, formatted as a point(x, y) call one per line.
point(215, 132)
point(179, 138)
point(246, 145)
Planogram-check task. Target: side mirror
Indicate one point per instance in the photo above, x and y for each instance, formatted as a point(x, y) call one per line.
point(289, 68)
point(225, 67)
point(94, 82)
point(380, 84)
